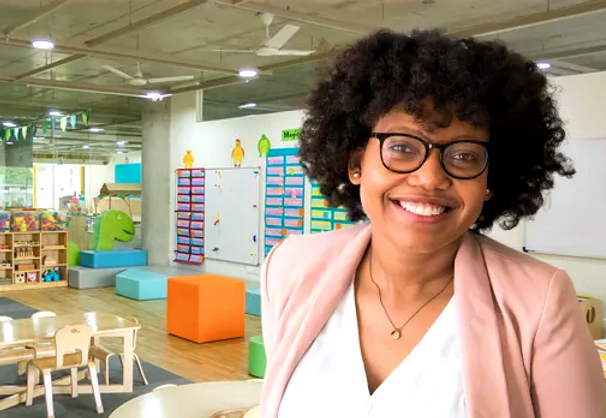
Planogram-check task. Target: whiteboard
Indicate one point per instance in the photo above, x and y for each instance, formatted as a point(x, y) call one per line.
point(232, 215)
point(571, 223)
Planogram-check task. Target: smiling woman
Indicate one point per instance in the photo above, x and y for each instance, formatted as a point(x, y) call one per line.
point(415, 313)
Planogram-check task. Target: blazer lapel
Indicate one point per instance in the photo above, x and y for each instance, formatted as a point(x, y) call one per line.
point(325, 298)
point(484, 377)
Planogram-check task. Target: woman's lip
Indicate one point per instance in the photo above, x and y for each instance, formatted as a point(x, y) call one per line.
point(419, 219)
point(427, 200)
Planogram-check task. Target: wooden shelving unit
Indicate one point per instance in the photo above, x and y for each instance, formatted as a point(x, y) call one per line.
point(26, 256)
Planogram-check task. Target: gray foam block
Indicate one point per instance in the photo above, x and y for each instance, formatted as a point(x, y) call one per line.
point(87, 278)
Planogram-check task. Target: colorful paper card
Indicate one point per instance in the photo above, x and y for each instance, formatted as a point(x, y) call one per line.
point(284, 196)
point(190, 216)
point(323, 217)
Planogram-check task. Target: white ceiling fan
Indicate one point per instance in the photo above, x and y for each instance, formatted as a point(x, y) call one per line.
point(139, 81)
point(273, 44)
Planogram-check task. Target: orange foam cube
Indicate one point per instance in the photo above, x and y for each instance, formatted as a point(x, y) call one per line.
point(206, 308)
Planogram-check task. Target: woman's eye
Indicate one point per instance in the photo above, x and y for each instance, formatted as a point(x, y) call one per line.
point(464, 157)
point(403, 148)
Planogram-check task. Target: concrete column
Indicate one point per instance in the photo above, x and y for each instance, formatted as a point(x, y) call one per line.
point(156, 181)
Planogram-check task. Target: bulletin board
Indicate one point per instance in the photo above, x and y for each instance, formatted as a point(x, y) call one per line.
point(190, 216)
point(232, 214)
point(284, 196)
point(324, 217)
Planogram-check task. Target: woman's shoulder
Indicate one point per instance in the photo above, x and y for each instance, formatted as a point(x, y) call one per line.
point(306, 257)
point(510, 269)
point(304, 251)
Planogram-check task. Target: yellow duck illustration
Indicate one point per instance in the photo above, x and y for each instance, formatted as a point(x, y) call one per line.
point(188, 159)
point(237, 154)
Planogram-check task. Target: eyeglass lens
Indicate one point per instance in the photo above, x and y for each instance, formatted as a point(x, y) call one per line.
point(460, 159)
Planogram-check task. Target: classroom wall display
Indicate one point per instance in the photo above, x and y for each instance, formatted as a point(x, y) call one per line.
point(570, 222)
point(284, 196)
point(324, 217)
point(232, 210)
point(190, 215)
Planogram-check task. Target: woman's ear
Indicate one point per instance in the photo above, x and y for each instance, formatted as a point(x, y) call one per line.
point(355, 166)
point(489, 195)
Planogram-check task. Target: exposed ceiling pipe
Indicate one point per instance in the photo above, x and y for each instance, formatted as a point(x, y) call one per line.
point(38, 14)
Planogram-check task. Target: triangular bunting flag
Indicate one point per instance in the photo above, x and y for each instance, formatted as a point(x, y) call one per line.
point(2, 133)
point(8, 134)
point(16, 133)
point(24, 132)
point(34, 130)
point(44, 126)
point(85, 117)
point(63, 123)
point(72, 121)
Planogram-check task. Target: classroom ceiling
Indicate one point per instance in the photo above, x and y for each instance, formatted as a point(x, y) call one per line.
point(198, 39)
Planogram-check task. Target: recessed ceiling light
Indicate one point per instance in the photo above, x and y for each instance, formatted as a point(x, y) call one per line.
point(55, 113)
point(248, 73)
point(544, 65)
point(247, 105)
point(85, 146)
point(155, 96)
point(96, 129)
point(43, 44)
point(9, 142)
point(120, 152)
point(122, 142)
point(8, 124)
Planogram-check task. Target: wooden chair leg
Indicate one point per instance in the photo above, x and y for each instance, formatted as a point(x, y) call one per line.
point(21, 368)
point(48, 393)
point(32, 372)
point(106, 374)
point(94, 379)
point(141, 372)
point(74, 381)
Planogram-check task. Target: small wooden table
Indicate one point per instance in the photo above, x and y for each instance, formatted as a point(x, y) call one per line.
point(196, 400)
point(21, 332)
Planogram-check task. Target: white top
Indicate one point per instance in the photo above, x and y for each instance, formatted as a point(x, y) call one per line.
point(330, 380)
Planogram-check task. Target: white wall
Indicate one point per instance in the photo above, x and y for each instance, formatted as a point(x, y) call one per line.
point(582, 100)
point(211, 144)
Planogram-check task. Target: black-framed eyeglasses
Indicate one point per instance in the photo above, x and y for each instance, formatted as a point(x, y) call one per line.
point(404, 153)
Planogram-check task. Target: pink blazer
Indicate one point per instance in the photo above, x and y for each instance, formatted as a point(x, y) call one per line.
point(526, 350)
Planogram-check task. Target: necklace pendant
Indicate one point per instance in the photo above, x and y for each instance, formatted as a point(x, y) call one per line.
point(395, 334)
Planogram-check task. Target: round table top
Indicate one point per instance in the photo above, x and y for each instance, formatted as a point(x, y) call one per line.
point(196, 400)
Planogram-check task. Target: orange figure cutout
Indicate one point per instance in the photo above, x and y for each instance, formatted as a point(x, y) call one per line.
point(237, 154)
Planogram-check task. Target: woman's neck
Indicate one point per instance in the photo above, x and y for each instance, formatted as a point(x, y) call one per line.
point(407, 274)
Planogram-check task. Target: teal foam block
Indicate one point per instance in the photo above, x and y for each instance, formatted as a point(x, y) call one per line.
point(140, 284)
point(253, 302)
point(115, 258)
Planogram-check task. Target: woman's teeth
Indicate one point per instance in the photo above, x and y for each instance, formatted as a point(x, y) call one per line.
point(423, 209)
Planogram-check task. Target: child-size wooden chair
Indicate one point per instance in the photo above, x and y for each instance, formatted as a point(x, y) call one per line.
point(103, 354)
point(72, 346)
point(42, 349)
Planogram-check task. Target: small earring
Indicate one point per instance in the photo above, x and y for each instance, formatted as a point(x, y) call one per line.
point(356, 175)
point(487, 191)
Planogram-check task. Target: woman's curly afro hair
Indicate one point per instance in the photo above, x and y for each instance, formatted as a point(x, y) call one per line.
point(479, 82)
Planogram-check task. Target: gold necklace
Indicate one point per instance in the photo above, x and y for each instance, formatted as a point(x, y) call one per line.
point(397, 331)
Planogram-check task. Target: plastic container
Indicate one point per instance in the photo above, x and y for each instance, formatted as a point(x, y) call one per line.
point(25, 221)
point(53, 221)
point(5, 221)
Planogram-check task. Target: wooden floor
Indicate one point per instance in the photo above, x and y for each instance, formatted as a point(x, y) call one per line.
point(225, 360)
